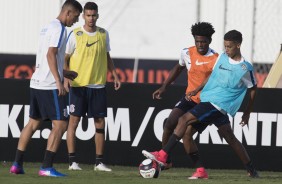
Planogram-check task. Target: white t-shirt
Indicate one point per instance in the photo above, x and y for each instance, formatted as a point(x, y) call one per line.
point(52, 35)
point(71, 43)
point(185, 60)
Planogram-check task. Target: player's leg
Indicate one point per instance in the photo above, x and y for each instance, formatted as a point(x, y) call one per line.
point(54, 108)
point(28, 131)
point(100, 144)
point(202, 111)
point(180, 108)
point(169, 126)
point(71, 142)
point(26, 134)
point(78, 105)
point(161, 156)
point(98, 109)
point(53, 143)
point(227, 133)
point(192, 150)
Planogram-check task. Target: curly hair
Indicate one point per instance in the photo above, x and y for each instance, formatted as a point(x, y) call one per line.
point(202, 29)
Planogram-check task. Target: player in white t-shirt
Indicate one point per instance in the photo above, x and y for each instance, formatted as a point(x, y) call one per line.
point(47, 101)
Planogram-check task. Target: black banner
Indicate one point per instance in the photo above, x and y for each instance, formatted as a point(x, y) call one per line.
point(148, 71)
point(135, 123)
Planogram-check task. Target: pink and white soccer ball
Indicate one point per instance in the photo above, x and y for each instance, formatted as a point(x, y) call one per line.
point(149, 169)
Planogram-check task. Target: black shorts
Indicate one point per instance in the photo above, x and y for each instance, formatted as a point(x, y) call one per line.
point(207, 114)
point(186, 106)
point(88, 101)
point(47, 105)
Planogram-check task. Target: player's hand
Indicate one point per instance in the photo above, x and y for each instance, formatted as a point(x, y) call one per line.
point(245, 119)
point(67, 84)
point(190, 94)
point(61, 89)
point(157, 94)
point(117, 84)
point(70, 74)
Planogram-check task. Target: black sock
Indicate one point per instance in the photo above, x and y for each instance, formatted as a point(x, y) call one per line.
point(48, 159)
point(173, 140)
point(19, 157)
point(72, 158)
point(196, 159)
point(249, 166)
point(168, 160)
point(99, 159)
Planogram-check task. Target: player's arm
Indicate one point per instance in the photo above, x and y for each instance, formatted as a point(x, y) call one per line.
point(197, 90)
point(52, 62)
point(250, 81)
point(173, 74)
point(70, 47)
point(246, 115)
point(112, 69)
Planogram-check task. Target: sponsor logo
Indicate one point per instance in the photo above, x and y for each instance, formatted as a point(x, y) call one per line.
point(201, 63)
point(244, 67)
point(101, 30)
point(79, 33)
point(118, 127)
point(222, 68)
point(72, 108)
point(90, 44)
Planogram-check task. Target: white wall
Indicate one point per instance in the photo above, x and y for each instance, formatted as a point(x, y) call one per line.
point(154, 29)
point(21, 21)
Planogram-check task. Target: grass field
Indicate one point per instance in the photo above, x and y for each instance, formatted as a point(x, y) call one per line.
point(124, 175)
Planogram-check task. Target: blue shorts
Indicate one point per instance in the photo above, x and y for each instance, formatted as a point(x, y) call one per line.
point(186, 106)
point(47, 105)
point(207, 114)
point(88, 101)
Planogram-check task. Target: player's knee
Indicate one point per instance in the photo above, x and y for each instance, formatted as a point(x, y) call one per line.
point(170, 124)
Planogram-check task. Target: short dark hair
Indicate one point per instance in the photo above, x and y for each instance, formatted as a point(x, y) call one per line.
point(234, 36)
point(202, 29)
point(90, 6)
point(75, 4)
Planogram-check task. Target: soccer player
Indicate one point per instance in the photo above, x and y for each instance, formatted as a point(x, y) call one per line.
point(47, 101)
point(87, 53)
point(223, 94)
point(199, 61)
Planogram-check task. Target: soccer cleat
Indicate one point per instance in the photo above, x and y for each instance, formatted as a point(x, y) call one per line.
point(102, 167)
point(155, 156)
point(253, 173)
point(16, 169)
point(200, 173)
point(74, 167)
point(50, 171)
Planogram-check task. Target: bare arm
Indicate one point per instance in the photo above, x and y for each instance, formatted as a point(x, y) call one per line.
point(66, 72)
point(248, 110)
point(112, 69)
point(52, 62)
point(199, 88)
point(173, 74)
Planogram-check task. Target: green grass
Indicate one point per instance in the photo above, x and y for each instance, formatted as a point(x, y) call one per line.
point(127, 175)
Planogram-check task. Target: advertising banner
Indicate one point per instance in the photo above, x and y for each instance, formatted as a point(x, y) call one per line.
point(135, 122)
point(146, 71)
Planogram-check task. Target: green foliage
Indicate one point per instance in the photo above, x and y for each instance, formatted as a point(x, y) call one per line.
point(126, 175)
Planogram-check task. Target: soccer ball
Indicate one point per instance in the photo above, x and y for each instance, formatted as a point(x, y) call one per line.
point(149, 168)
